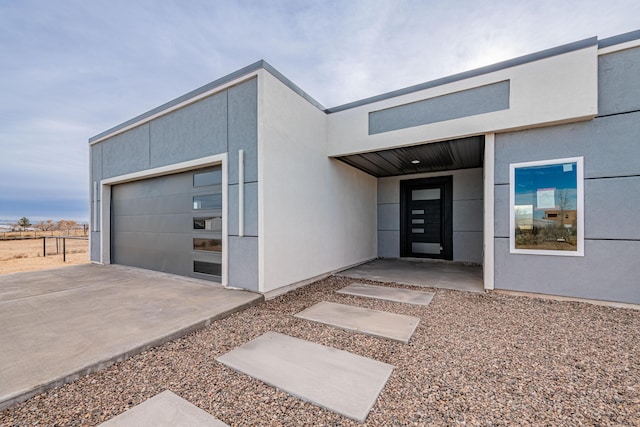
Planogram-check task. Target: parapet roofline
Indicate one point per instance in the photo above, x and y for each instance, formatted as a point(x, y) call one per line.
point(592, 41)
point(262, 64)
point(619, 39)
point(558, 50)
point(195, 93)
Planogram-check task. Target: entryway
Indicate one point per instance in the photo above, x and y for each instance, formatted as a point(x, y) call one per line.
point(432, 274)
point(426, 220)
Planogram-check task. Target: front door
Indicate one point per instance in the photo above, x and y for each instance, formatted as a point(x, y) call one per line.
point(426, 226)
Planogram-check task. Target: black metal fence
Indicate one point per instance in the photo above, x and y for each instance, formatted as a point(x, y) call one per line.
point(64, 244)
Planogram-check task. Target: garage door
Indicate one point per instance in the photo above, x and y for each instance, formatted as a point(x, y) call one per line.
point(170, 223)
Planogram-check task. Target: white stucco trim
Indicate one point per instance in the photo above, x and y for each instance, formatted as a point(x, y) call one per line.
point(176, 107)
point(105, 211)
point(488, 264)
point(94, 198)
point(618, 47)
point(105, 230)
point(260, 148)
point(91, 204)
point(579, 206)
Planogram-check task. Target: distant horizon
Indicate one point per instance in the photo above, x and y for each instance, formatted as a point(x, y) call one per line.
point(35, 220)
point(11, 210)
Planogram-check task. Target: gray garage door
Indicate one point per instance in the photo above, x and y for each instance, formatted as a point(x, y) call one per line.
point(170, 223)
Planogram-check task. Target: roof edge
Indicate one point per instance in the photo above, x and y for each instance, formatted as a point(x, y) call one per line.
point(291, 85)
point(261, 64)
point(192, 94)
point(620, 38)
point(558, 50)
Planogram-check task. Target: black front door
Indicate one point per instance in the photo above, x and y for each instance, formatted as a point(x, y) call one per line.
point(426, 226)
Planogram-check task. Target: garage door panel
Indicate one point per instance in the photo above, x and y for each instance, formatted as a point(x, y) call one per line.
point(171, 204)
point(165, 224)
point(150, 241)
point(159, 186)
point(168, 252)
point(159, 260)
point(177, 223)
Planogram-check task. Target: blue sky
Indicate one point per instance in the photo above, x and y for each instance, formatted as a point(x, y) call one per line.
point(72, 69)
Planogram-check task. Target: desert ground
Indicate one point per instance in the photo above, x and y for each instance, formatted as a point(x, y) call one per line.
point(26, 254)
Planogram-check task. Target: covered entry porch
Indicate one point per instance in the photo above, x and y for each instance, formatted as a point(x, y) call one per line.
point(431, 274)
point(431, 213)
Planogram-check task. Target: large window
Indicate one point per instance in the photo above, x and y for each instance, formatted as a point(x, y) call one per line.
point(547, 207)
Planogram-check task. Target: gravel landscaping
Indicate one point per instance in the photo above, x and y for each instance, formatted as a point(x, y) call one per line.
point(475, 359)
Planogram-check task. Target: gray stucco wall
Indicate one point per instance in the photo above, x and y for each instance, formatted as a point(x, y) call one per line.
point(483, 99)
point(467, 214)
point(223, 123)
point(610, 146)
point(618, 82)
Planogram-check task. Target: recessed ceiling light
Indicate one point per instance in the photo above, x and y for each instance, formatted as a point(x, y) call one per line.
point(415, 162)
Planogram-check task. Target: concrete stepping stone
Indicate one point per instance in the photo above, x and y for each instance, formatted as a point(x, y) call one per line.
point(337, 380)
point(397, 327)
point(406, 296)
point(164, 410)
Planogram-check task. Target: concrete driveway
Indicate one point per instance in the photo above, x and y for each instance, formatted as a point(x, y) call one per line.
point(58, 324)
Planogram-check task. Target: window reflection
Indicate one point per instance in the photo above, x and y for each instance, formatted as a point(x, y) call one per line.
point(211, 268)
point(207, 223)
point(545, 207)
point(210, 245)
point(207, 201)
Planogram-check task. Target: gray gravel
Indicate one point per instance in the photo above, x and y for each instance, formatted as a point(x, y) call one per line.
point(475, 359)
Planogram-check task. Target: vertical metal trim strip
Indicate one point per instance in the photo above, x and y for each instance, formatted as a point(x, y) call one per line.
point(95, 206)
point(240, 193)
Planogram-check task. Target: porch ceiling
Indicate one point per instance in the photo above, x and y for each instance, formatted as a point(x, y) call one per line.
point(461, 153)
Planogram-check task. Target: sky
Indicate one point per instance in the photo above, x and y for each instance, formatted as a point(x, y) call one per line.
point(71, 69)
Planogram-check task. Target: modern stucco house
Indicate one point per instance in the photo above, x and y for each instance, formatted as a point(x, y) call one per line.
point(529, 167)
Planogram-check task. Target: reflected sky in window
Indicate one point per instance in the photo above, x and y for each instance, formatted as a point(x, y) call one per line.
point(539, 188)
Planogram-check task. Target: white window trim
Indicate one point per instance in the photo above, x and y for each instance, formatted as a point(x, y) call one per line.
point(579, 206)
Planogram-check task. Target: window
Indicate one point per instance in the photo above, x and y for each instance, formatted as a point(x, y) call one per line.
point(211, 223)
point(547, 204)
point(203, 179)
point(210, 268)
point(207, 238)
point(207, 201)
point(209, 245)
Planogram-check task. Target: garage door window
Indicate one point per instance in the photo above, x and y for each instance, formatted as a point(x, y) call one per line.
point(209, 268)
point(207, 201)
point(204, 179)
point(207, 223)
point(208, 245)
